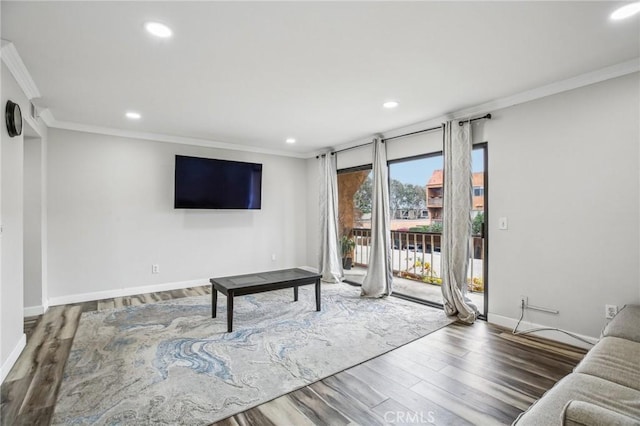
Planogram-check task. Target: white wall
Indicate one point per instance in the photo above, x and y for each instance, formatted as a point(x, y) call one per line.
point(396, 148)
point(34, 226)
point(564, 170)
point(414, 145)
point(313, 213)
point(111, 216)
point(11, 238)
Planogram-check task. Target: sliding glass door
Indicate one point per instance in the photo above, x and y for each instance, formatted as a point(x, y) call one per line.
point(416, 206)
point(416, 203)
point(415, 193)
point(354, 221)
point(479, 245)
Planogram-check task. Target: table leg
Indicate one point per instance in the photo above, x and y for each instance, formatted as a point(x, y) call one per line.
point(295, 293)
point(214, 302)
point(318, 295)
point(230, 312)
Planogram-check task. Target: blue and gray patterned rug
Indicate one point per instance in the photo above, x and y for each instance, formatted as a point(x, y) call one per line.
point(171, 363)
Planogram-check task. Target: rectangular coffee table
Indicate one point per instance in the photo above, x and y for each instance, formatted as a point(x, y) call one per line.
point(241, 285)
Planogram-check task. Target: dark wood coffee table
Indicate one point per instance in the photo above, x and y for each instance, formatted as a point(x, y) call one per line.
point(240, 285)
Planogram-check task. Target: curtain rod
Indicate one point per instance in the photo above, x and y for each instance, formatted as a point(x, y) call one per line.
point(461, 123)
point(488, 117)
point(414, 133)
point(352, 147)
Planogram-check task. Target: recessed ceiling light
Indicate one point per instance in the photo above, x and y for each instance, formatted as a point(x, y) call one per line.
point(158, 29)
point(626, 11)
point(390, 104)
point(290, 140)
point(133, 115)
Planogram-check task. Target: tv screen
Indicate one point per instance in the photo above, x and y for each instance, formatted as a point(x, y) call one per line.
point(205, 183)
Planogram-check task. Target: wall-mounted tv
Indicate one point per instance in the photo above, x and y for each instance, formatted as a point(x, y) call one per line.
point(206, 183)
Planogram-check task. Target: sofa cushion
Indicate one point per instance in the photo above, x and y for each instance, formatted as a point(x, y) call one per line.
point(583, 387)
point(626, 324)
point(580, 413)
point(614, 359)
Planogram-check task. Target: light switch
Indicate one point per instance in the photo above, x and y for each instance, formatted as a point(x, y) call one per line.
point(502, 223)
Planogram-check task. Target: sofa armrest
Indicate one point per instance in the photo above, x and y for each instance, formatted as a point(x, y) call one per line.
point(625, 325)
point(580, 413)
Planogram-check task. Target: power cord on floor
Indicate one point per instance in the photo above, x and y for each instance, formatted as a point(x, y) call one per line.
point(533, 330)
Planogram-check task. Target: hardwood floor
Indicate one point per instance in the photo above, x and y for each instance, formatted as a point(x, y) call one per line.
point(458, 375)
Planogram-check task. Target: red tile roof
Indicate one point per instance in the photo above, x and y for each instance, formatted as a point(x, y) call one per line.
point(436, 179)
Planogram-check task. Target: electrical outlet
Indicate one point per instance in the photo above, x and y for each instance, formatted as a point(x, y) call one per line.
point(610, 311)
point(524, 299)
point(273, 257)
point(155, 269)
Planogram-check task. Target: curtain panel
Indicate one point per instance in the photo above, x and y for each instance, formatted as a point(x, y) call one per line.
point(330, 263)
point(456, 229)
point(379, 279)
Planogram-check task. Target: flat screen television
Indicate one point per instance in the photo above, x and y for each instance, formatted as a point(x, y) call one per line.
point(206, 183)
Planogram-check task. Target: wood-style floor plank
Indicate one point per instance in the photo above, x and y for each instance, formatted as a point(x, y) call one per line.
point(315, 408)
point(516, 379)
point(458, 375)
point(507, 349)
point(282, 411)
point(253, 416)
point(354, 388)
point(349, 407)
point(392, 411)
point(496, 390)
point(417, 403)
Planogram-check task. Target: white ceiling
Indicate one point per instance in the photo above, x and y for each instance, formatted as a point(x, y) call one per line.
point(256, 73)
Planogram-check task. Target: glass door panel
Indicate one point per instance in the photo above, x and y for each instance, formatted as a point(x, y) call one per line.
point(415, 202)
point(354, 221)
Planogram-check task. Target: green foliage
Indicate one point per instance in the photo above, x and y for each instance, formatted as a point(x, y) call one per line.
point(434, 227)
point(346, 245)
point(401, 196)
point(362, 199)
point(421, 228)
point(476, 225)
point(406, 196)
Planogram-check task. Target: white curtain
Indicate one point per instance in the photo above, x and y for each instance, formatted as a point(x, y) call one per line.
point(456, 230)
point(330, 264)
point(379, 279)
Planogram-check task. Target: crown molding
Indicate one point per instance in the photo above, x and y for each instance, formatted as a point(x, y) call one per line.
point(597, 76)
point(47, 117)
point(13, 61)
point(16, 66)
point(561, 86)
point(157, 137)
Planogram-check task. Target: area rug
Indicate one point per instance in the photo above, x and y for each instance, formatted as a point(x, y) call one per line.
point(171, 363)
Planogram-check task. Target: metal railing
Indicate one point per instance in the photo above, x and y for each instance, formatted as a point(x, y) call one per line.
point(416, 255)
point(434, 202)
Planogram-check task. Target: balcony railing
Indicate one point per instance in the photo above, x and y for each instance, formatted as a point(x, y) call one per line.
point(434, 202)
point(416, 256)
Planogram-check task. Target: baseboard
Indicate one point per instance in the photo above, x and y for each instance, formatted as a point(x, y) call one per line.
point(130, 291)
point(32, 311)
point(551, 334)
point(13, 357)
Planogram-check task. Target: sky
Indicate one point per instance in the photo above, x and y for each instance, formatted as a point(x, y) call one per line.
point(418, 172)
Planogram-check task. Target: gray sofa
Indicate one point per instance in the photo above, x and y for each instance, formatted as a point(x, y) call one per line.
point(604, 389)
